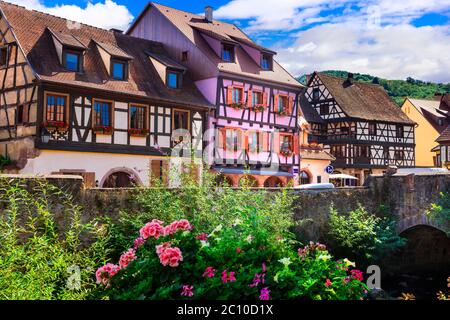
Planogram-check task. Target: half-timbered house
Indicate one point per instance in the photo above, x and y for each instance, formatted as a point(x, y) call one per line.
point(76, 99)
point(254, 119)
point(360, 125)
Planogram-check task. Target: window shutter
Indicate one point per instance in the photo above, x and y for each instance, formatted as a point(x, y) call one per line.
point(221, 138)
point(291, 104)
point(276, 142)
point(229, 95)
point(249, 98)
point(245, 140)
point(264, 99)
point(275, 102)
point(296, 145)
point(265, 141)
point(243, 96)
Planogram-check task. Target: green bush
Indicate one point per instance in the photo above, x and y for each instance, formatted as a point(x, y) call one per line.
point(363, 236)
point(440, 212)
point(243, 259)
point(39, 257)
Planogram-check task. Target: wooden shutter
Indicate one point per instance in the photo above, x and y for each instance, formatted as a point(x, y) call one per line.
point(246, 140)
point(291, 104)
point(264, 99)
point(275, 102)
point(221, 138)
point(229, 95)
point(296, 144)
point(265, 141)
point(276, 142)
point(249, 98)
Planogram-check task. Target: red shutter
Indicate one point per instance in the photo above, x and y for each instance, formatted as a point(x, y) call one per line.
point(264, 102)
point(296, 144)
point(291, 104)
point(221, 138)
point(265, 141)
point(242, 96)
point(229, 95)
point(249, 98)
point(276, 142)
point(275, 102)
point(245, 134)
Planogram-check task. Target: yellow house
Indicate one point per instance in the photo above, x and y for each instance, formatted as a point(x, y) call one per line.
point(432, 117)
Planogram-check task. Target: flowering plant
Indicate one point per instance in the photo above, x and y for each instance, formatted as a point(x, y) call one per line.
point(237, 105)
point(138, 132)
point(286, 152)
point(242, 261)
point(58, 125)
point(258, 108)
point(103, 129)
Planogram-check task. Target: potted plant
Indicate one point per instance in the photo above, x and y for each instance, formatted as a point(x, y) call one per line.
point(103, 129)
point(286, 152)
point(56, 125)
point(258, 108)
point(138, 132)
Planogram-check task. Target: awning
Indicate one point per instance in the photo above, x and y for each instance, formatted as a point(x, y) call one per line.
point(437, 148)
point(342, 176)
point(260, 172)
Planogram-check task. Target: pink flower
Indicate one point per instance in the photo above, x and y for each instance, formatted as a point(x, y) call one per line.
point(328, 283)
point(105, 273)
point(228, 278)
point(163, 246)
point(187, 291)
point(170, 256)
point(176, 225)
point(264, 294)
point(263, 268)
point(152, 229)
point(126, 258)
point(357, 275)
point(170, 229)
point(138, 242)
point(202, 237)
point(257, 279)
point(238, 250)
point(209, 272)
point(184, 225)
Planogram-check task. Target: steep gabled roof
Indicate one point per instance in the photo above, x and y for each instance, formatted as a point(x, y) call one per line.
point(444, 136)
point(430, 110)
point(32, 30)
point(363, 100)
point(190, 24)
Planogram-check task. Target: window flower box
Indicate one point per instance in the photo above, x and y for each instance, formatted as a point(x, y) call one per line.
point(237, 106)
point(258, 108)
point(283, 113)
point(138, 132)
point(103, 129)
point(56, 125)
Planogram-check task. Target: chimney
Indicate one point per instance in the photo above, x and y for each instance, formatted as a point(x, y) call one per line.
point(350, 77)
point(116, 30)
point(209, 14)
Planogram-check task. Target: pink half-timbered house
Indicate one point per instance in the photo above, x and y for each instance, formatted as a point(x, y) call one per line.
point(254, 119)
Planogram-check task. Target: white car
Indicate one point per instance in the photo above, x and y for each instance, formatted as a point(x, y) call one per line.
point(315, 186)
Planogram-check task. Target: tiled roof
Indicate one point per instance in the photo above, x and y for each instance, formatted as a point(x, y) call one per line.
point(189, 24)
point(30, 28)
point(309, 113)
point(444, 136)
point(364, 100)
point(306, 153)
point(67, 39)
point(431, 111)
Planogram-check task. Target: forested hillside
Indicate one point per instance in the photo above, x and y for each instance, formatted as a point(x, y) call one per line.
point(397, 89)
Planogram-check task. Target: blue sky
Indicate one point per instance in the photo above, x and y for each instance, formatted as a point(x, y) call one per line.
point(388, 38)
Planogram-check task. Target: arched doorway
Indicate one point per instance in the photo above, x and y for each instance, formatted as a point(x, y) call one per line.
point(248, 181)
point(304, 177)
point(273, 182)
point(223, 180)
point(120, 178)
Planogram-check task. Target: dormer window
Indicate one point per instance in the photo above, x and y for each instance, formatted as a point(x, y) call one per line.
point(119, 69)
point(228, 53)
point(173, 79)
point(72, 60)
point(266, 62)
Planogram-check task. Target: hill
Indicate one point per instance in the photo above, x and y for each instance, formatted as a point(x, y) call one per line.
point(397, 89)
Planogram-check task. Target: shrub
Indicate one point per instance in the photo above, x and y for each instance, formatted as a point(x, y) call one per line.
point(363, 236)
point(243, 259)
point(440, 212)
point(39, 257)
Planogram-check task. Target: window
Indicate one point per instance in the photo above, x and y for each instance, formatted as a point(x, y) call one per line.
point(238, 94)
point(386, 153)
point(232, 139)
point(254, 143)
point(102, 113)
point(180, 120)
point(257, 98)
point(72, 60)
point(303, 177)
point(56, 106)
point(286, 143)
point(324, 109)
point(372, 129)
point(228, 53)
point(119, 70)
point(266, 62)
point(362, 151)
point(440, 122)
point(399, 131)
point(3, 56)
point(185, 56)
point(345, 130)
point(319, 179)
point(173, 79)
point(137, 117)
point(283, 102)
point(399, 155)
point(22, 114)
point(338, 151)
point(316, 94)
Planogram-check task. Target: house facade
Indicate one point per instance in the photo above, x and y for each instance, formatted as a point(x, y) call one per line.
point(359, 125)
point(253, 130)
point(77, 99)
point(432, 117)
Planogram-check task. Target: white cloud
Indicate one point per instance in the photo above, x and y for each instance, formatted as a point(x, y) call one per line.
point(107, 14)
